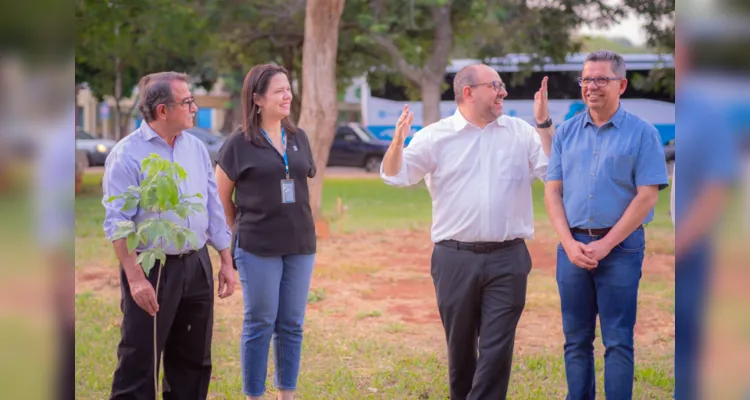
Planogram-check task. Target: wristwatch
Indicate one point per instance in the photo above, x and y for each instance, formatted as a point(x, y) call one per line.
point(545, 124)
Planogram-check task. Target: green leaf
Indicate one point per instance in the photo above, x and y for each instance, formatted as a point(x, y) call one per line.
point(167, 192)
point(179, 171)
point(180, 240)
point(124, 228)
point(130, 204)
point(144, 236)
point(182, 210)
point(160, 255)
point(133, 240)
point(147, 260)
point(146, 225)
point(150, 199)
point(158, 230)
point(192, 238)
point(197, 207)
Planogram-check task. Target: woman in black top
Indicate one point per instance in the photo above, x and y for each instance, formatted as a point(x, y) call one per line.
point(268, 162)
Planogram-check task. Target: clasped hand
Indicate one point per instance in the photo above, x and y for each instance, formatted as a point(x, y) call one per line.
point(587, 256)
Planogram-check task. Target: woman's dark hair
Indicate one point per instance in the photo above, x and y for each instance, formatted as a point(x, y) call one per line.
point(256, 82)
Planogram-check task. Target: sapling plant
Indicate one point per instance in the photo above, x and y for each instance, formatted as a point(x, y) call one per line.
point(158, 194)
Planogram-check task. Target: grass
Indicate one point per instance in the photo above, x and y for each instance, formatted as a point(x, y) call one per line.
point(356, 348)
point(350, 366)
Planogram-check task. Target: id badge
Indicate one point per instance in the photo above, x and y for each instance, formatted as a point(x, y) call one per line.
point(287, 190)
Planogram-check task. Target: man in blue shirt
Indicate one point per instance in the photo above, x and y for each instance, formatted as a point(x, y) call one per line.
point(185, 299)
point(606, 169)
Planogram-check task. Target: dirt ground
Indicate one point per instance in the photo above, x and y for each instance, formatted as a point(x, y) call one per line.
point(382, 281)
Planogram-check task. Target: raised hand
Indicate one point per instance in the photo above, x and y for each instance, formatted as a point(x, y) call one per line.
point(541, 111)
point(403, 125)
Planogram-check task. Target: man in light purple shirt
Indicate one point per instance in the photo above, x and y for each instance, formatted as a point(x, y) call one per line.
point(185, 299)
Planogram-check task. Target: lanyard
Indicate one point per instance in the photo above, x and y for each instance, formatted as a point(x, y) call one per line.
point(283, 144)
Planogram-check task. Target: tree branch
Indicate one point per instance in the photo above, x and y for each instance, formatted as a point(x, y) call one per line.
point(410, 72)
point(443, 42)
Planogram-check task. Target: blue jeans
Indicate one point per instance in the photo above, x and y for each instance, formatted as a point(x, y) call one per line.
point(610, 290)
point(274, 291)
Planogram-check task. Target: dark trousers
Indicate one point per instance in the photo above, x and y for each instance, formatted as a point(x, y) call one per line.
point(480, 297)
point(184, 329)
point(611, 291)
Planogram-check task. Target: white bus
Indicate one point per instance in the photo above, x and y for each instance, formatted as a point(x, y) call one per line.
point(382, 106)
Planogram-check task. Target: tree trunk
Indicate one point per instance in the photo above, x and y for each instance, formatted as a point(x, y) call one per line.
point(125, 121)
point(289, 58)
point(431, 93)
point(233, 114)
point(430, 76)
point(319, 96)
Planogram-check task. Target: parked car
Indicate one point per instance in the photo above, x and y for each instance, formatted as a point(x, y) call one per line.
point(96, 149)
point(213, 141)
point(355, 146)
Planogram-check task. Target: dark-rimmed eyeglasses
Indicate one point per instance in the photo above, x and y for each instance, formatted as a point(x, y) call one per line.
point(599, 81)
point(497, 85)
point(190, 101)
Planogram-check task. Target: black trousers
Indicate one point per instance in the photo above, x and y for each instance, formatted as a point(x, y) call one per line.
point(480, 298)
point(184, 330)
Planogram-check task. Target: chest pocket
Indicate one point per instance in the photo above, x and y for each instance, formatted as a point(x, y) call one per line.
point(621, 167)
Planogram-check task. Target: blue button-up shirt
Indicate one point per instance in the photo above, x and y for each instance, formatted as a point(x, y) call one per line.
point(602, 167)
point(123, 169)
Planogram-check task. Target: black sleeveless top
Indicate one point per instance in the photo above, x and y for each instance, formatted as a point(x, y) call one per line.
point(264, 225)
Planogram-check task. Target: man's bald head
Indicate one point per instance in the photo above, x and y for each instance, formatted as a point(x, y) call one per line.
point(467, 76)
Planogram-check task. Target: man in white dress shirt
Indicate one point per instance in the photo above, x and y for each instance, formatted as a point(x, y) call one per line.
point(478, 165)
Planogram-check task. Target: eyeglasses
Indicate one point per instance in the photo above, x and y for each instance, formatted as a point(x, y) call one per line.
point(190, 101)
point(599, 81)
point(497, 85)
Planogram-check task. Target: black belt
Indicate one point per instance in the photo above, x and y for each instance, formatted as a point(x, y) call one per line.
point(182, 255)
point(480, 247)
point(597, 231)
point(591, 232)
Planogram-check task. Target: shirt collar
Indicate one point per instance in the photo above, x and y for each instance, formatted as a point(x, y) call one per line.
point(616, 119)
point(149, 133)
point(460, 122)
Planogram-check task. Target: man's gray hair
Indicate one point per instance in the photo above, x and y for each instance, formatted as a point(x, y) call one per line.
point(618, 63)
point(156, 89)
point(467, 76)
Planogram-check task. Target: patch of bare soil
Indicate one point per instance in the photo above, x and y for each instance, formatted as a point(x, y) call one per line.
point(100, 279)
point(381, 282)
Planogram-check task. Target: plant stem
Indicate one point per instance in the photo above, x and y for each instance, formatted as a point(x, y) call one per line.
point(156, 354)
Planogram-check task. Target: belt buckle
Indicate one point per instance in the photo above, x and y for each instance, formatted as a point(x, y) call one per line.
point(590, 232)
point(481, 248)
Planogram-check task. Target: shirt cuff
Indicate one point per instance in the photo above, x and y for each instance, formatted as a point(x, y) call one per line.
point(221, 242)
point(400, 179)
point(663, 183)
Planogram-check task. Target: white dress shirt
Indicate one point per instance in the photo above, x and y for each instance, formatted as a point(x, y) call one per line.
point(479, 179)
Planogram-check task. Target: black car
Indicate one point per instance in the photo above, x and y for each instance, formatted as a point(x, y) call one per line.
point(355, 146)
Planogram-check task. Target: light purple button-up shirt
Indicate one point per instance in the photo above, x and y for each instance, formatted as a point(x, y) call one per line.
point(123, 169)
